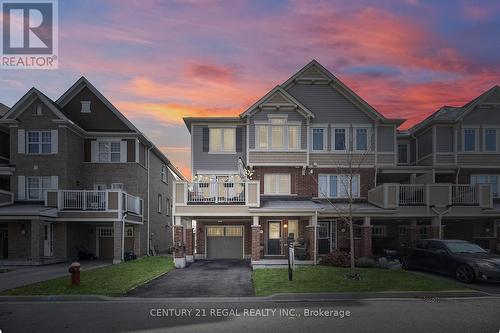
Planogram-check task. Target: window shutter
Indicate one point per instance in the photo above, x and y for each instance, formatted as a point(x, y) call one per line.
point(87, 150)
point(54, 137)
point(206, 139)
point(54, 182)
point(94, 151)
point(123, 151)
point(21, 187)
point(239, 139)
point(21, 141)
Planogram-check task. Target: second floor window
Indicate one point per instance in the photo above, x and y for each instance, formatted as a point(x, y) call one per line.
point(109, 151)
point(160, 203)
point(275, 183)
point(469, 139)
point(278, 135)
point(39, 142)
point(222, 140)
point(339, 139)
point(164, 173)
point(403, 153)
point(36, 187)
point(490, 140)
point(337, 186)
point(318, 139)
point(361, 139)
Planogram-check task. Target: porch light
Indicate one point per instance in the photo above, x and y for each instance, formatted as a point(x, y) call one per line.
point(285, 225)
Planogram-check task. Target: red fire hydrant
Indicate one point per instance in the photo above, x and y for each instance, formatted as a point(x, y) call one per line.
point(74, 269)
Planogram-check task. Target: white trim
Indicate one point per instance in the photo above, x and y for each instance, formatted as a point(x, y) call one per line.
point(325, 139)
point(497, 132)
point(328, 175)
point(368, 139)
point(277, 183)
point(346, 139)
point(222, 130)
point(224, 226)
point(476, 139)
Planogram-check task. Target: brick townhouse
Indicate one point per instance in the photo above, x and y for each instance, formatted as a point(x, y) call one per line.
point(77, 176)
point(289, 164)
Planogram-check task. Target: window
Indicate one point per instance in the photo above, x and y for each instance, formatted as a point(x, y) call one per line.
point(275, 183)
point(490, 139)
point(222, 140)
point(424, 231)
point(337, 186)
point(129, 231)
point(109, 151)
point(339, 139)
point(403, 153)
point(293, 228)
point(164, 173)
point(36, 187)
point(403, 230)
point(105, 232)
point(215, 231)
point(379, 231)
point(469, 139)
point(39, 142)
point(318, 139)
point(167, 206)
point(277, 135)
point(100, 187)
point(494, 180)
point(234, 231)
point(357, 231)
point(85, 106)
point(38, 110)
point(159, 203)
point(117, 186)
point(361, 139)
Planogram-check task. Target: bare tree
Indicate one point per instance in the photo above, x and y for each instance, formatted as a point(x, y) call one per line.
point(348, 168)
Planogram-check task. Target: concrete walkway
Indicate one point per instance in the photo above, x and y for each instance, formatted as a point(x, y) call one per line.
point(21, 276)
point(203, 278)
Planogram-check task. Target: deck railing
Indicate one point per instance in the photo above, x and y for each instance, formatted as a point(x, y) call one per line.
point(216, 192)
point(133, 204)
point(465, 195)
point(411, 194)
point(83, 200)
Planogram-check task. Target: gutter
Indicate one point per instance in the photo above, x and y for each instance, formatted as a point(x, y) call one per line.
point(149, 167)
point(123, 236)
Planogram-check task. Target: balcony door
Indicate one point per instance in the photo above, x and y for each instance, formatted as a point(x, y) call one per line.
point(274, 238)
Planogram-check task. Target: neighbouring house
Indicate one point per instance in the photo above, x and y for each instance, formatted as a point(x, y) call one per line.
point(299, 142)
point(77, 176)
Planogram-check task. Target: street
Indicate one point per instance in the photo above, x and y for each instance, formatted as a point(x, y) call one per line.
point(212, 315)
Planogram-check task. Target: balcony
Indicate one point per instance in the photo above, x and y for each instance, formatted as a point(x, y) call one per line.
point(104, 204)
point(391, 196)
point(234, 196)
point(6, 198)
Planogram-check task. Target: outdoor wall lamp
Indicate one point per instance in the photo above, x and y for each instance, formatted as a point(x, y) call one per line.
point(23, 229)
point(285, 226)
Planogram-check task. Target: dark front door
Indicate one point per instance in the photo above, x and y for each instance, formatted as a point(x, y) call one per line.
point(324, 241)
point(274, 240)
point(4, 245)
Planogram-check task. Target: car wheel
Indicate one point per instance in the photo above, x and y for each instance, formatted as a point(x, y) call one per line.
point(465, 273)
point(405, 263)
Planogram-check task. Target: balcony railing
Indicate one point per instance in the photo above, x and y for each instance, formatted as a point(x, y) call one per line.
point(6, 198)
point(132, 204)
point(83, 200)
point(411, 194)
point(216, 192)
point(465, 195)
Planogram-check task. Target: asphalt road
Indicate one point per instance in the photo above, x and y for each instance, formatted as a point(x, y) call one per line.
point(489, 287)
point(133, 315)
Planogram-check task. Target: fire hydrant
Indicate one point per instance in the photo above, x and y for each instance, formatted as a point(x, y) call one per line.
point(74, 269)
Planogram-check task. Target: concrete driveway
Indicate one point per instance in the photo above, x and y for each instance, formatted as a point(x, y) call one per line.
point(17, 276)
point(201, 279)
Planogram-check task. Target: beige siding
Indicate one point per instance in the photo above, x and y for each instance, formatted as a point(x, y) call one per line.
point(327, 159)
point(479, 159)
point(385, 159)
point(292, 158)
point(445, 159)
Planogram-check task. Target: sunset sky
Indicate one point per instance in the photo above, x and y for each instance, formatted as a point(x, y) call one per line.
point(159, 61)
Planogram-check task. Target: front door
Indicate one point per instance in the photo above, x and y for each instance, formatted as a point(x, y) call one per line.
point(326, 236)
point(4, 243)
point(274, 240)
point(48, 240)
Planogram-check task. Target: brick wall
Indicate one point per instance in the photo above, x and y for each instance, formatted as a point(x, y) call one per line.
point(307, 185)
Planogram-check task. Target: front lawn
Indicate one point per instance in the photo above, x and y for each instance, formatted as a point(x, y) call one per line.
point(109, 281)
point(316, 279)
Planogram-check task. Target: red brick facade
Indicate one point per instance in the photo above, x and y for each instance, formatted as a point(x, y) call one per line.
point(307, 185)
point(179, 245)
point(189, 242)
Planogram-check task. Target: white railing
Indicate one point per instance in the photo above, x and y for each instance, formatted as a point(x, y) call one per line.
point(133, 204)
point(6, 198)
point(83, 200)
point(411, 194)
point(464, 195)
point(216, 192)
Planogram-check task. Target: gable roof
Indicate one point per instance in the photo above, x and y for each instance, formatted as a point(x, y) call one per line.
point(20, 106)
point(3, 109)
point(315, 72)
point(450, 114)
point(285, 94)
point(82, 83)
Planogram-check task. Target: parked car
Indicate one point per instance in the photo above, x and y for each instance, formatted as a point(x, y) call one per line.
point(466, 261)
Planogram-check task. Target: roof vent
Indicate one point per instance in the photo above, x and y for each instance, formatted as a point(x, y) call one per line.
point(85, 107)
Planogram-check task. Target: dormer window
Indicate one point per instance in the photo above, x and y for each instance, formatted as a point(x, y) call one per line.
point(38, 110)
point(85, 107)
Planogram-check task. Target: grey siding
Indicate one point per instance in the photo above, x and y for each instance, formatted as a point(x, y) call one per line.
point(413, 151)
point(424, 144)
point(337, 160)
point(327, 104)
point(444, 139)
point(445, 158)
point(268, 157)
point(207, 161)
point(385, 138)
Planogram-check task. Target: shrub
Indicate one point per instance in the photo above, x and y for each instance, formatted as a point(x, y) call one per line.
point(366, 262)
point(336, 258)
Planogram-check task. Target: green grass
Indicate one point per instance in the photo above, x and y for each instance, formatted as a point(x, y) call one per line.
point(333, 279)
point(109, 281)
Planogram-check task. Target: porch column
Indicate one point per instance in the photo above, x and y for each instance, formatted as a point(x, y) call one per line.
point(117, 242)
point(311, 237)
point(255, 239)
point(413, 234)
point(435, 228)
point(179, 246)
point(189, 245)
point(137, 240)
point(366, 238)
point(36, 234)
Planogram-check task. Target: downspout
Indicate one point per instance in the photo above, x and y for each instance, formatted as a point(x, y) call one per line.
point(440, 217)
point(315, 237)
point(148, 167)
point(123, 236)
